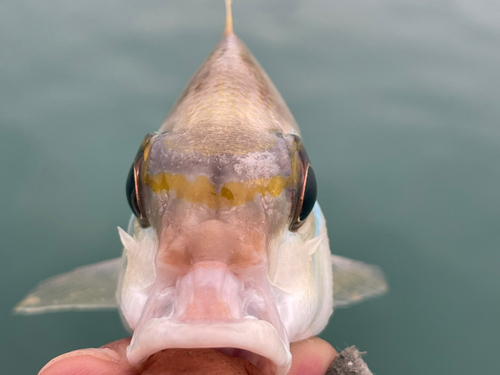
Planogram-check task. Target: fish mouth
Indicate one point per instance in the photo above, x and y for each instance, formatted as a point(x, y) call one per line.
point(253, 340)
point(211, 306)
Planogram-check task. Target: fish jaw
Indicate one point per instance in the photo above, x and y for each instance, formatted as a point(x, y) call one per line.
point(242, 311)
point(256, 340)
point(209, 304)
point(212, 307)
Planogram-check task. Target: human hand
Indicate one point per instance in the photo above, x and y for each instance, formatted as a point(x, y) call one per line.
point(311, 356)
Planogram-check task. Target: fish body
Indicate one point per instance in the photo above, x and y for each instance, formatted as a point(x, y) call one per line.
point(227, 247)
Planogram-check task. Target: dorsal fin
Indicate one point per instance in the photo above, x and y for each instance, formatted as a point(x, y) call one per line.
point(229, 18)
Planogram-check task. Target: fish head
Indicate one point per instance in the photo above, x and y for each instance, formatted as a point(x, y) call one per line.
point(223, 250)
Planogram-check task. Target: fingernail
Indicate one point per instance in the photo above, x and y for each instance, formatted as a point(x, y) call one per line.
point(104, 354)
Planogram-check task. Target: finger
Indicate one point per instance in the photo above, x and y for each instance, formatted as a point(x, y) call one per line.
point(311, 356)
point(120, 348)
point(185, 361)
point(109, 360)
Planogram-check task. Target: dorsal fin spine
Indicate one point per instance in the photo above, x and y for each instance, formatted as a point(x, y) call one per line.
point(229, 19)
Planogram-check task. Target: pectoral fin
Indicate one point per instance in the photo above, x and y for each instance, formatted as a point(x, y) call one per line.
point(91, 287)
point(355, 281)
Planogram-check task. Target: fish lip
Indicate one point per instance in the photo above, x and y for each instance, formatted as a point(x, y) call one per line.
point(251, 334)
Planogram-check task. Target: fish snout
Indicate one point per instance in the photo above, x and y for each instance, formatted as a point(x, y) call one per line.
point(237, 246)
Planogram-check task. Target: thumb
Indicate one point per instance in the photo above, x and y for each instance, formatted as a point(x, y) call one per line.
point(311, 356)
point(103, 361)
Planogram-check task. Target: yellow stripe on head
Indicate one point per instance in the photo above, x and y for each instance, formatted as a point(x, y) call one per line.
point(202, 191)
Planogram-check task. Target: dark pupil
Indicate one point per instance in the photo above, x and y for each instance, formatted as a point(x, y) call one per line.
point(310, 193)
point(130, 191)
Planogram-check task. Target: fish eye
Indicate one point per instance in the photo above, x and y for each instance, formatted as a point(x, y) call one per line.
point(306, 199)
point(310, 192)
point(132, 186)
point(307, 190)
point(131, 192)
point(133, 198)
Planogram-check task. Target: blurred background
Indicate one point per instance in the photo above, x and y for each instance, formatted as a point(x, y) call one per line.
point(399, 107)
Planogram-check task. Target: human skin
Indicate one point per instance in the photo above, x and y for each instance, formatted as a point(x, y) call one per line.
point(311, 356)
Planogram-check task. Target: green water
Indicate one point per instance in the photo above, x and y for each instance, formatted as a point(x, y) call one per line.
point(399, 106)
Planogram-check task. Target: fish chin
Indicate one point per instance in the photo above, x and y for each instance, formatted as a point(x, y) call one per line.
point(254, 340)
point(207, 306)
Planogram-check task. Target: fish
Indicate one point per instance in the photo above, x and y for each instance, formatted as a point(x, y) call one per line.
point(227, 246)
